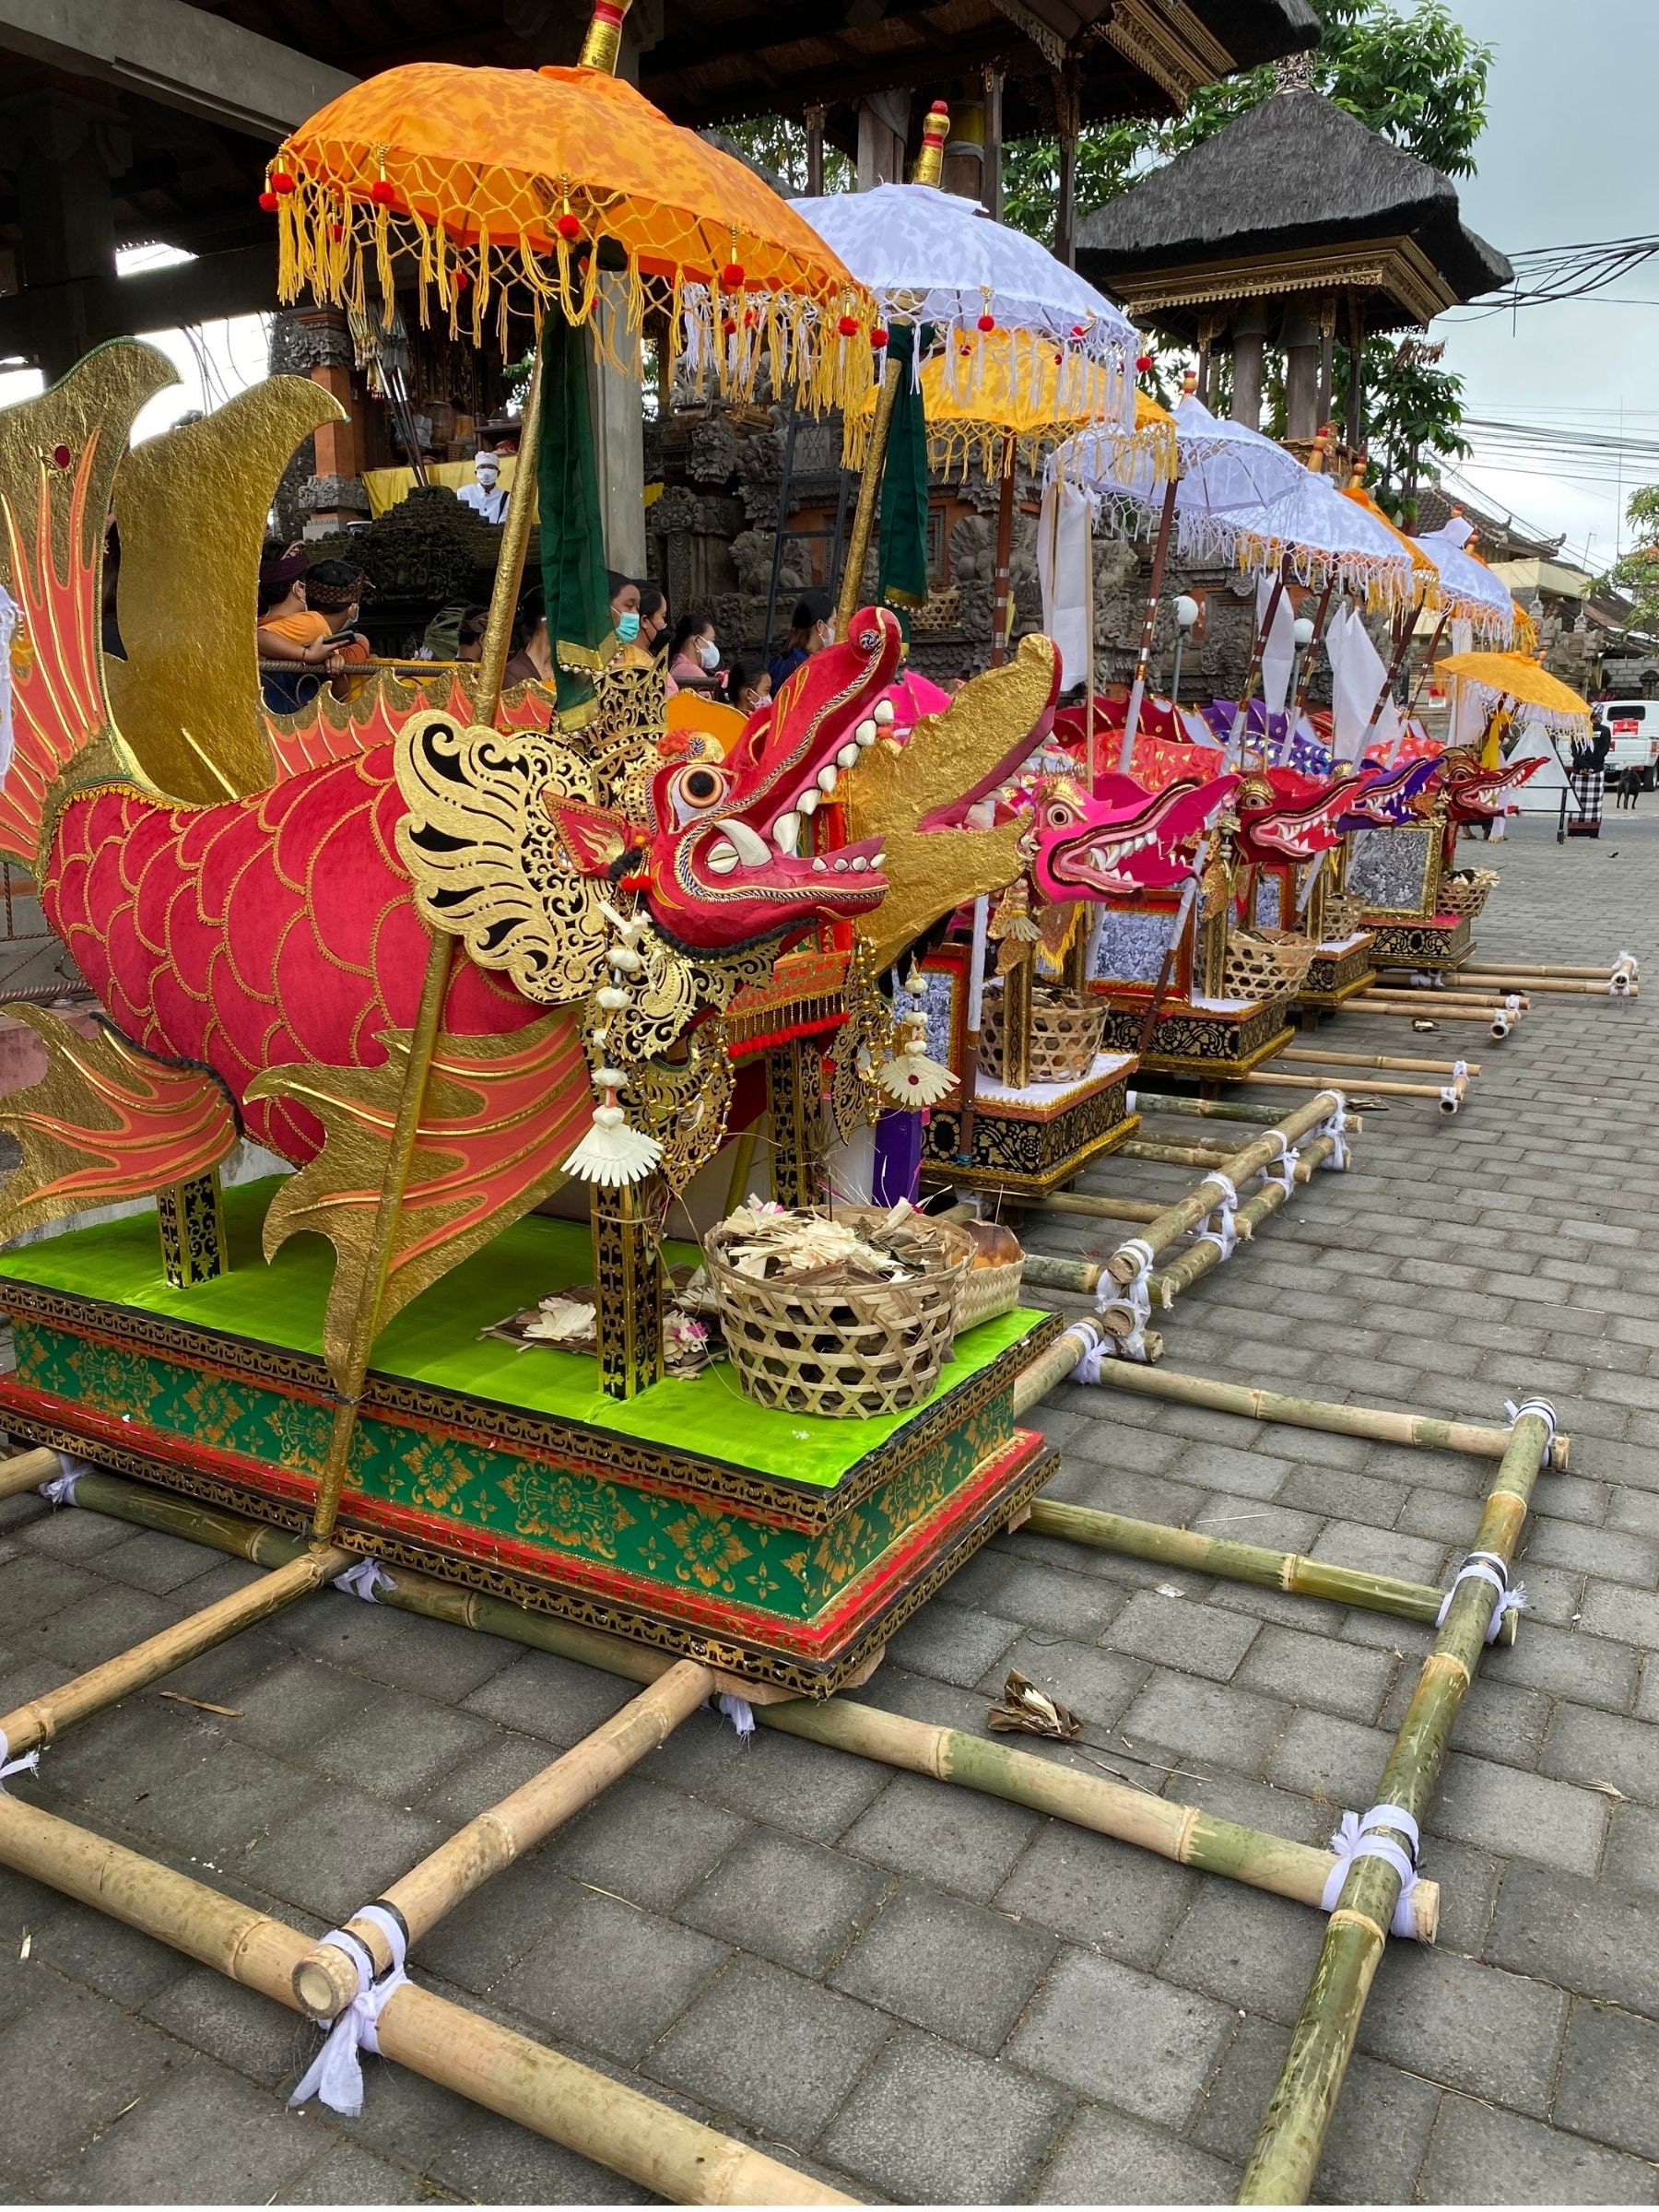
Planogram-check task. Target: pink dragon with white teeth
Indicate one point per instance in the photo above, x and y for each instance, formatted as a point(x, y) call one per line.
point(1124, 839)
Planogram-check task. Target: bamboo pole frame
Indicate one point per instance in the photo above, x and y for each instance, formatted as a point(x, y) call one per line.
point(1512, 979)
point(1085, 1202)
point(1200, 1153)
point(1405, 1063)
point(1181, 1832)
point(1286, 2157)
point(1166, 1283)
point(677, 2157)
point(1217, 1110)
point(325, 1980)
point(1235, 1562)
point(1482, 1002)
point(43, 1718)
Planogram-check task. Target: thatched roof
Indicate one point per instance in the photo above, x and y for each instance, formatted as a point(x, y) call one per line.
point(1295, 171)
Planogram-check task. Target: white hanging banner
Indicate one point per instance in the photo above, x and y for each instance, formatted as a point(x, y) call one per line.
point(1062, 573)
point(1278, 650)
point(1359, 679)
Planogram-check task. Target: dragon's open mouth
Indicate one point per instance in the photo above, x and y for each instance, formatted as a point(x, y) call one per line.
point(1148, 848)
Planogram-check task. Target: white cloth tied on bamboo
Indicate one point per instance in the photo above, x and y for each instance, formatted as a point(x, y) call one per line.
point(336, 2075)
point(1136, 1294)
point(1334, 1126)
point(741, 1715)
point(1357, 1839)
point(1100, 1348)
point(1487, 1567)
point(1545, 1411)
point(1221, 1229)
point(27, 1764)
point(1282, 1170)
point(366, 1580)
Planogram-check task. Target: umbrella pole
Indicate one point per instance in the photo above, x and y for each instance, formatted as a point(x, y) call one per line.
point(785, 486)
point(1408, 624)
point(1258, 646)
point(869, 490)
point(1088, 646)
point(1305, 673)
point(970, 1048)
point(1137, 689)
point(428, 1021)
point(1005, 545)
point(1434, 646)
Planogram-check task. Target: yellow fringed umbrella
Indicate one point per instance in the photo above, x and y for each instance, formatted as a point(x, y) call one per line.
point(1425, 576)
point(1517, 677)
point(519, 190)
point(1036, 398)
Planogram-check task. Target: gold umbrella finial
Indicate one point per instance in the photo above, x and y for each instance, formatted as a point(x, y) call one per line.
point(604, 40)
point(930, 161)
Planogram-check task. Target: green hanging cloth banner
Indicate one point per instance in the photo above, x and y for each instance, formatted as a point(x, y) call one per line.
point(903, 561)
point(575, 590)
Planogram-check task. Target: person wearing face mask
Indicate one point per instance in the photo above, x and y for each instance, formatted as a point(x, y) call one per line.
point(641, 642)
point(749, 687)
point(811, 628)
point(485, 495)
point(694, 655)
point(624, 607)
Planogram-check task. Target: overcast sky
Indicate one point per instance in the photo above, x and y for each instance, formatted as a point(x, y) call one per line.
point(1571, 152)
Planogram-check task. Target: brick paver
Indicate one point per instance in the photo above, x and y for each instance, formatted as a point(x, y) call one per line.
point(926, 1996)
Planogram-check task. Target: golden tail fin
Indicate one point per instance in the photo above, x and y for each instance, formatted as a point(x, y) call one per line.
point(58, 456)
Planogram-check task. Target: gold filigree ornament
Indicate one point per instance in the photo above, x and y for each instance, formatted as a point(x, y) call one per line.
point(684, 1105)
point(486, 858)
point(860, 1045)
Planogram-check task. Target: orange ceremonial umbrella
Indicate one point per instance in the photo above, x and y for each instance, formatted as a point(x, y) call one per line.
point(524, 190)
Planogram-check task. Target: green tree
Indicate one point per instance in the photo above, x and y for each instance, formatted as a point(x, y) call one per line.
point(1637, 575)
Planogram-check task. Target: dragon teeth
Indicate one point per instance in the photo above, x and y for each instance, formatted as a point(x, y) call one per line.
point(751, 849)
point(721, 859)
point(826, 780)
point(808, 802)
point(847, 756)
point(820, 867)
point(865, 734)
point(840, 867)
point(879, 861)
point(859, 864)
point(786, 830)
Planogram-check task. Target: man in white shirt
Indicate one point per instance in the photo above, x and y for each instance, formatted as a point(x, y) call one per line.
point(485, 497)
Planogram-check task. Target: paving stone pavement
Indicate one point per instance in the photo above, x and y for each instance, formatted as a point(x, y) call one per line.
point(920, 1994)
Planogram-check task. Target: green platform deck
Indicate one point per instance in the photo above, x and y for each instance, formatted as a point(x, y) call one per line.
point(510, 1467)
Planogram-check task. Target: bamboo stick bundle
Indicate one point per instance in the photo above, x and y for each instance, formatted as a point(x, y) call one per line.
point(1085, 1202)
point(1405, 1063)
point(48, 1715)
point(28, 1471)
point(1125, 1264)
point(1286, 2156)
point(1377, 1424)
point(1519, 981)
point(1195, 1838)
point(1236, 1562)
point(325, 1980)
point(676, 2157)
point(1169, 1280)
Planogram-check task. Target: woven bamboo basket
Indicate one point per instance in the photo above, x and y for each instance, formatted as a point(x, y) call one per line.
point(1065, 1034)
point(984, 1292)
point(1343, 918)
point(847, 1350)
point(1266, 963)
point(1467, 892)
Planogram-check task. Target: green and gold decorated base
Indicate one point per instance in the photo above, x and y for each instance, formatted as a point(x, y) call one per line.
point(775, 1546)
point(1428, 941)
point(1035, 1140)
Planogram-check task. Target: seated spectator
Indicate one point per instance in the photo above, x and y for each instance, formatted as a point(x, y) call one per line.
point(694, 655)
point(811, 628)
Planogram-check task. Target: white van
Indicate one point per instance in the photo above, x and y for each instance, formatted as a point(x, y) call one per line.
point(1634, 726)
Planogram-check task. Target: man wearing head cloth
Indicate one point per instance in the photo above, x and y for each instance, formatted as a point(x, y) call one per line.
point(485, 497)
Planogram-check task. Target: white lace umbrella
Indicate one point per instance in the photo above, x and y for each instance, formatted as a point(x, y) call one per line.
point(932, 257)
point(1227, 473)
point(1469, 591)
point(1315, 534)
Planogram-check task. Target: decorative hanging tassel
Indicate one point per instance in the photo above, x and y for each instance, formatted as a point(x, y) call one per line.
point(910, 1077)
point(613, 1153)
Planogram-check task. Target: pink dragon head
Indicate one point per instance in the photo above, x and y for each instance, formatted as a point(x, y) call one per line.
point(1124, 839)
point(717, 860)
point(1285, 818)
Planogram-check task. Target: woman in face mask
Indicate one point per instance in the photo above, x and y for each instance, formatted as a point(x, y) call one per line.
point(811, 628)
point(749, 687)
point(624, 606)
point(694, 655)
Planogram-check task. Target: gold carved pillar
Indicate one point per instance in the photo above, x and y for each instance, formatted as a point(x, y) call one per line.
point(1016, 1019)
point(628, 1286)
point(192, 1224)
point(794, 1087)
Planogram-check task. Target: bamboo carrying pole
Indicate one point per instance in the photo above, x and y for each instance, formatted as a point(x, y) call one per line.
point(1514, 978)
point(44, 1717)
point(1085, 1202)
point(1286, 2156)
point(1220, 1110)
point(1403, 1062)
point(28, 1471)
point(1177, 1831)
point(325, 1980)
point(1200, 1153)
point(1124, 1264)
point(1419, 995)
point(1377, 1424)
point(662, 2150)
point(1374, 1088)
point(1241, 1563)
